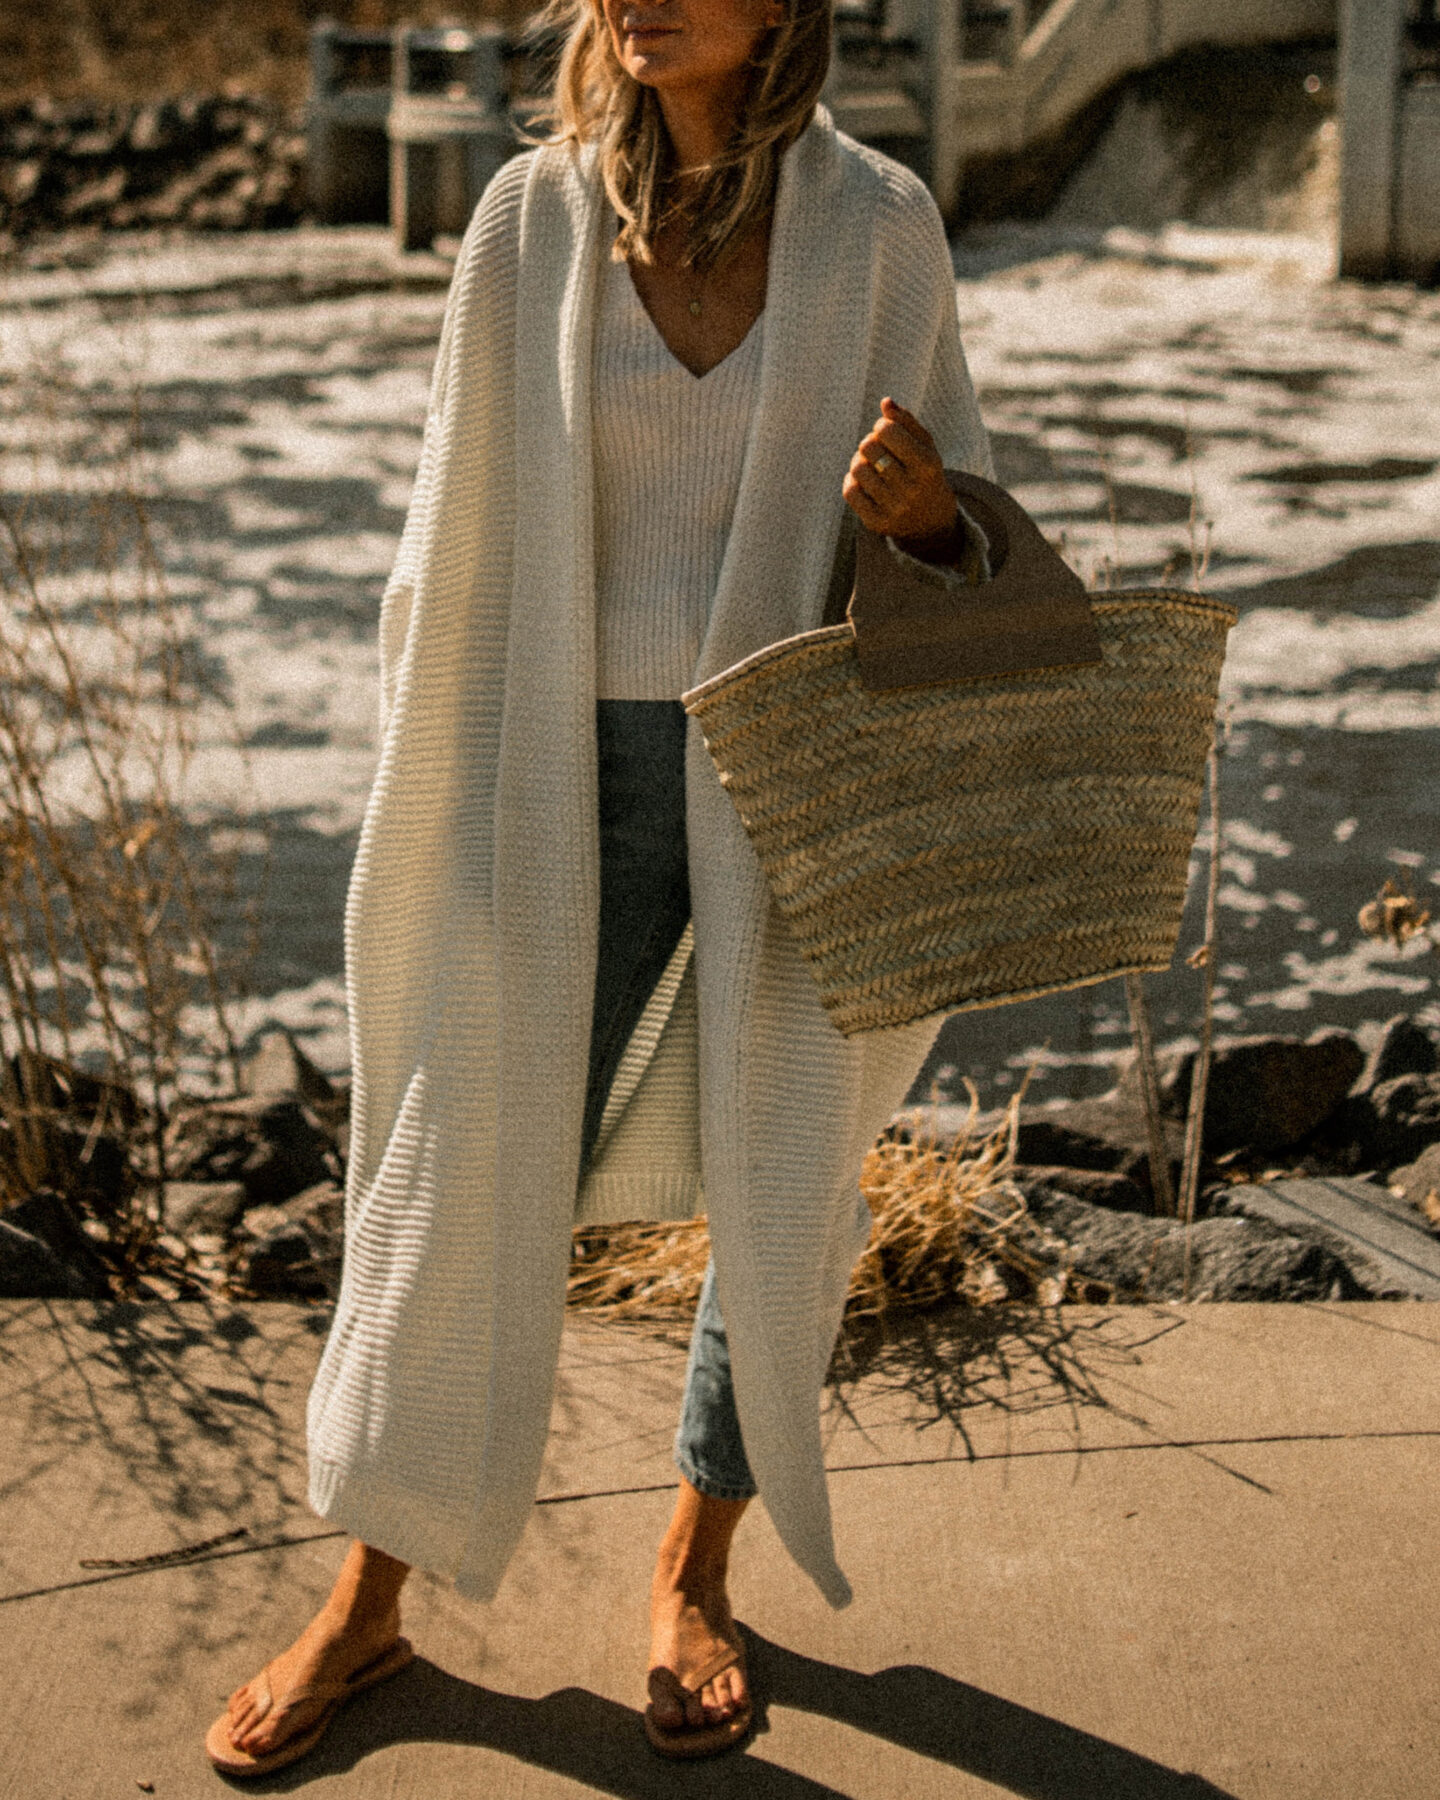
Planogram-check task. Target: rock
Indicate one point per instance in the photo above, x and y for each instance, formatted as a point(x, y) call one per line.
point(230, 212)
point(1248, 1259)
point(276, 1148)
point(61, 1087)
point(1404, 1048)
point(45, 1254)
point(1077, 1136)
point(30, 1269)
point(97, 144)
point(1384, 1128)
point(20, 180)
point(1419, 1183)
point(213, 163)
point(1099, 1187)
point(79, 1126)
point(195, 116)
point(1267, 1093)
point(152, 128)
point(196, 1207)
point(23, 136)
point(1398, 1119)
point(92, 1168)
point(1107, 1134)
point(296, 1248)
point(93, 198)
point(279, 1069)
point(1230, 1258)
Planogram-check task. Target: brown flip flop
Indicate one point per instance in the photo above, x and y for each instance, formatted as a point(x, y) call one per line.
point(230, 1761)
point(701, 1740)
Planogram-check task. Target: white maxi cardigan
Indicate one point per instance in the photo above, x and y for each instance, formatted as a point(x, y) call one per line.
point(471, 923)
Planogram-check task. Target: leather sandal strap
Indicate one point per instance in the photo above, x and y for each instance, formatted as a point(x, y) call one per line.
point(313, 1690)
point(730, 1657)
point(264, 1695)
point(332, 1690)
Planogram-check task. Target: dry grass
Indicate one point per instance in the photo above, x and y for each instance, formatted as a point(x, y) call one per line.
point(950, 1224)
point(113, 906)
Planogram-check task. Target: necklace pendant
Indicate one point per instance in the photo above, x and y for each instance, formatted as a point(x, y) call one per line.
point(695, 309)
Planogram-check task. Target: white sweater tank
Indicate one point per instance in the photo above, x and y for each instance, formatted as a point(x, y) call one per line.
point(669, 447)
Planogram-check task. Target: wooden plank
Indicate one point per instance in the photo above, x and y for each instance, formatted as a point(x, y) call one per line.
point(1386, 1231)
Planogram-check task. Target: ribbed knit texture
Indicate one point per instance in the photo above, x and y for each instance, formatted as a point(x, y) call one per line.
point(472, 915)
point(669, 447)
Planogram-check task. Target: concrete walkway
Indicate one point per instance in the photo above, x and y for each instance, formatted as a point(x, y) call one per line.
point(1106, 1553)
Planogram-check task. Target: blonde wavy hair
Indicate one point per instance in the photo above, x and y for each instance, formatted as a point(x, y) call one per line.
point(596, 101)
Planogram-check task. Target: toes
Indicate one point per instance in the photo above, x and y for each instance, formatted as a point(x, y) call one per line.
point(248, 1734)
point(240, 1736)
point(720, 1697)
point(732, 1686)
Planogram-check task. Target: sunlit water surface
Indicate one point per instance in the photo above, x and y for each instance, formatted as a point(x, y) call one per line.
point(1173, 405)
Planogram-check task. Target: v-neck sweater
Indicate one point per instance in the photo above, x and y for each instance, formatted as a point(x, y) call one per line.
point(669, 447)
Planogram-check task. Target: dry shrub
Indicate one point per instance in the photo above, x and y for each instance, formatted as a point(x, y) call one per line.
point(639, 1271)
point(950, 1224)
point(111, 898)
point(155, 49)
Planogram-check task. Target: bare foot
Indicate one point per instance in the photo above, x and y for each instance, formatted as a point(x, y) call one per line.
point(690, 1622)
point(330, 1648)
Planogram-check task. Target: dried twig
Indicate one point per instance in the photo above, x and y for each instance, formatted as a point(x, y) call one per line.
point(113, 912)
point(1161, 1188)
point(1204, 960)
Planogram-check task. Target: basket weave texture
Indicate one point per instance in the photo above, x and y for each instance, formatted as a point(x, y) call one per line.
point(937, 849)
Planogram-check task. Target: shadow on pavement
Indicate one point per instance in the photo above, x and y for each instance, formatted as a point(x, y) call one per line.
point(599, 1743)
point(939, 1366)
point(1024, 1752)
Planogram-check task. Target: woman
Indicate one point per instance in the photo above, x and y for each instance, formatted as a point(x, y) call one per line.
point(668, 330)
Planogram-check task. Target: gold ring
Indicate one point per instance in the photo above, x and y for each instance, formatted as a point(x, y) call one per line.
point(883, 464)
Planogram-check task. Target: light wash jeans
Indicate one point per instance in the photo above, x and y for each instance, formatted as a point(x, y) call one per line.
point(644, 907)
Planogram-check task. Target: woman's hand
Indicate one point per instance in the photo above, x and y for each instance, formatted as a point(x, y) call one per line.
point(896, 487)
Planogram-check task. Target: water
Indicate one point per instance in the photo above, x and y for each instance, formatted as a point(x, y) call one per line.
point(1189, 398)
point(1160, 400)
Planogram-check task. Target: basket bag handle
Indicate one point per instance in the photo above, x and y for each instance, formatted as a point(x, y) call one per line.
point(914, 627)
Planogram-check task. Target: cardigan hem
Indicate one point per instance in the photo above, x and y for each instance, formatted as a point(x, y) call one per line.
point(415, 1529)
point(616, 1199)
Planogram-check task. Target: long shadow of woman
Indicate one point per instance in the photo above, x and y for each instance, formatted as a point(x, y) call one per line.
point(599, 1743)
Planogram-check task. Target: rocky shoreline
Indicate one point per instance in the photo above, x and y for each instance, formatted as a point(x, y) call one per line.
point(251, 1200)
point(202, 161)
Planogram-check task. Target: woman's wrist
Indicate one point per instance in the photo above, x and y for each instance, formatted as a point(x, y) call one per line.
point(943, 547)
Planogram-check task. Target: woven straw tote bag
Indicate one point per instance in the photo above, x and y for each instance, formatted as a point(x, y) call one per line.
point(963, 797)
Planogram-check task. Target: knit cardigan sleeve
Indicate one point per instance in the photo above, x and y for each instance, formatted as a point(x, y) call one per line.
point(918, 273)
point(494, 231)
point(915, 289)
